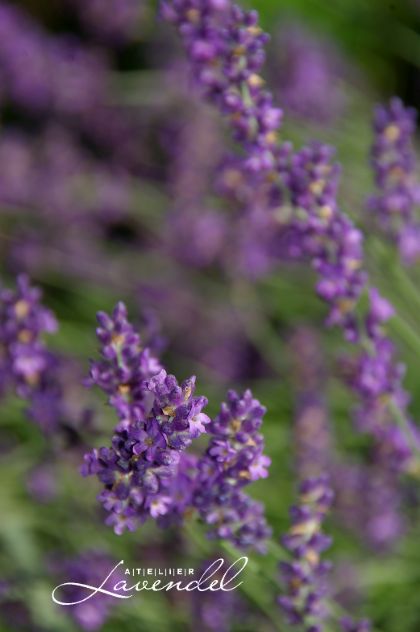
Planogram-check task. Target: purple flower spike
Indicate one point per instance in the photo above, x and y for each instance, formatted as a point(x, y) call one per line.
point(330, 239)
point(303, 576)
point(233, 459)
point(125, 365)
point(226, 49)
point(27, 366)
point(394, 165)
point(158, 419)
point(376, 378)
point(24, 321)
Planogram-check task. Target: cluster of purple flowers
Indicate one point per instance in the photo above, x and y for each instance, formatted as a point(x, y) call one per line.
point(62, 78)
point(233, 39)
point(193, 159)
point(369, 503)
point(234, 458)
point(291, 212)
point(367, 496)
point(49, 175)
point(305, 71)
point(29, 367)
point(24, 321)
point(145, 472)
point(158, 418)
point(226, 49)
point(375, 376)
point(328, 237)
point(394, 164)
point(303, 576)
point(52, 168)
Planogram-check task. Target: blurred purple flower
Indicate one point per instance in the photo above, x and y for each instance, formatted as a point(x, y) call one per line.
point(27, 365)
point(216, 612)
point(394, 165)
point(350, 625)
point(368, 502)
point(42, 72)
point(306, 72)
point(311, 430)
point(304, 576)
point(117, 21)
point(194, 237)
point(41, 483)
point(90, 568)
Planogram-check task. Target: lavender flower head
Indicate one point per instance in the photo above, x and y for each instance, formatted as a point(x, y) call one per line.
point(234, 458)
point(226, 48)
point(376, 377)
point(26, 365)
point(328, 237)
point(158, 418)
point(41, 483)
point(394, 165)
point(195, 236)
point(23, 323)
point(303, 576)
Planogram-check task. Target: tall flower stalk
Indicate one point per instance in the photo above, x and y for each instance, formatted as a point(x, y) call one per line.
point(303, 577)
point(225, 46)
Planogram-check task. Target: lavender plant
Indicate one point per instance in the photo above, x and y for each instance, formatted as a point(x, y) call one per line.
point(145, 473)
point(225, 48)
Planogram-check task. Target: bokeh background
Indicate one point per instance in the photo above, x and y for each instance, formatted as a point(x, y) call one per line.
point(111, 172)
